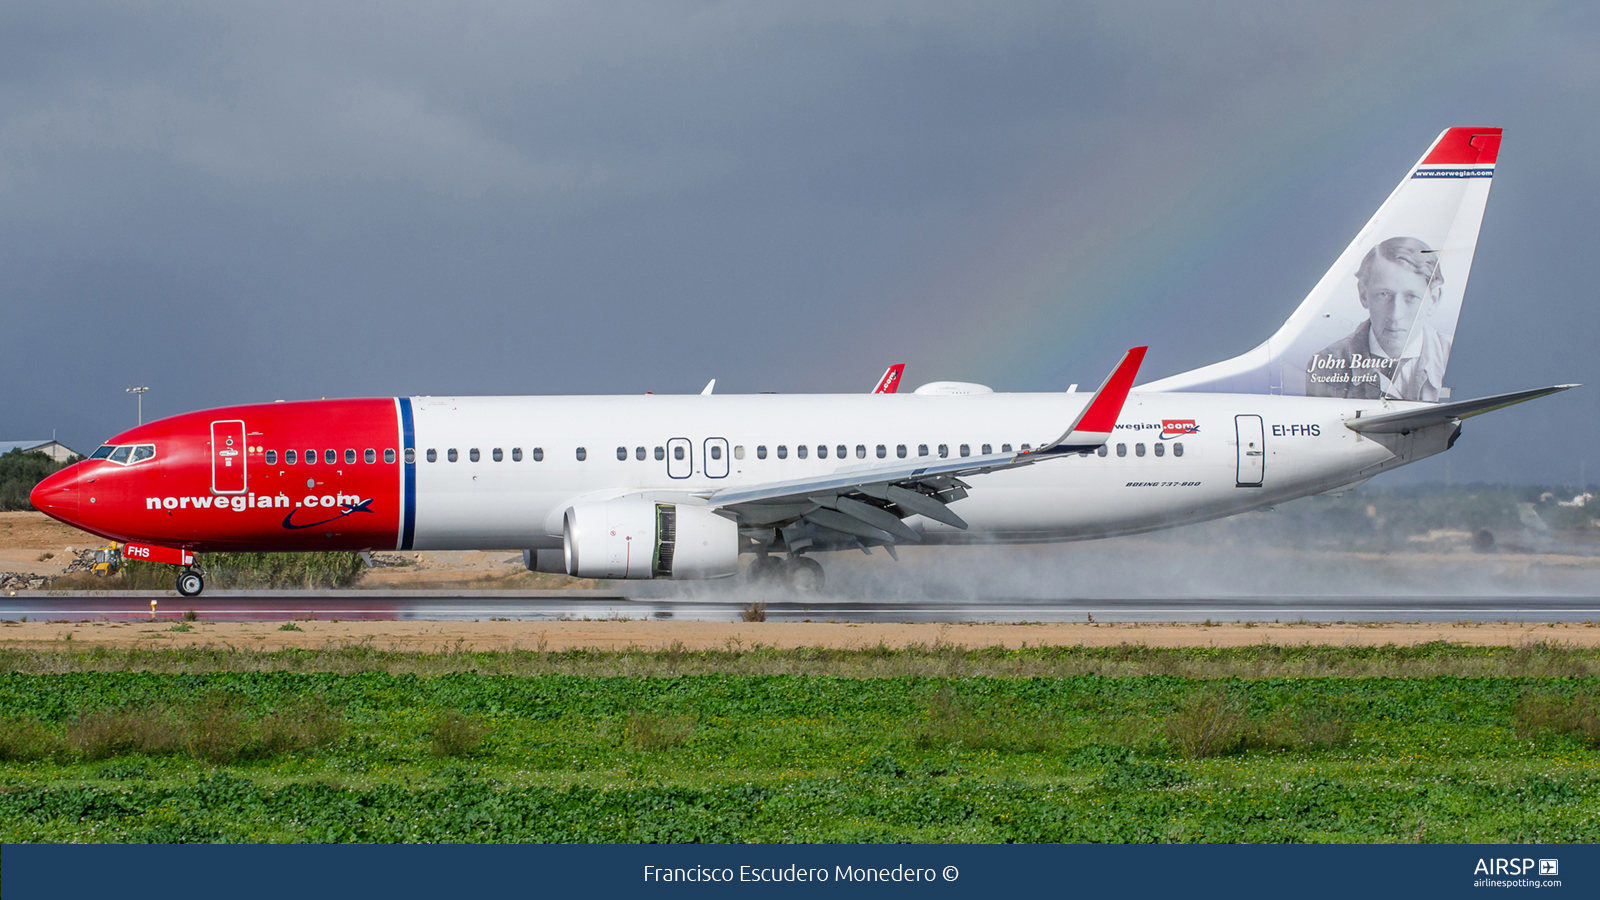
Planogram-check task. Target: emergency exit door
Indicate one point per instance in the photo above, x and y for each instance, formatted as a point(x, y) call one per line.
point(227, 457)
point(1252, 450)
point(680, 458)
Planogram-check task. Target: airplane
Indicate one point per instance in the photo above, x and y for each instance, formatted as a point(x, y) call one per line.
point(890, 382)
point(683, 486)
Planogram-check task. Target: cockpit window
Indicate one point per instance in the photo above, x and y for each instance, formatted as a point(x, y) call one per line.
point(142, 453)
point(103, 452)
point(121, 455)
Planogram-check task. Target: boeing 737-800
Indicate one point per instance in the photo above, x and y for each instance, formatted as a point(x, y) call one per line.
point(660, 486)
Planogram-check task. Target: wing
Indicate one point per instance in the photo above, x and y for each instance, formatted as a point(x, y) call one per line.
point(865, 504)
point(1425, 415)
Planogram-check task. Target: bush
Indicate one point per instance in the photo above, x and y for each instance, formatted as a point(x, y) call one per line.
point(1210, 722)
point(104, 734)
point(649, 731)
point(455, 734)
point(24, 740)
point(950, 723)
point(1579, 716)
point(20, 473)
point(753, 612)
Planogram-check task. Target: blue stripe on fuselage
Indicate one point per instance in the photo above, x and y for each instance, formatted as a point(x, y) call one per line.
point(409, 460)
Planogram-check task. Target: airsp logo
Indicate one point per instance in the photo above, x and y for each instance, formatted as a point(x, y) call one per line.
point(1549, 867)
point(1510, 866)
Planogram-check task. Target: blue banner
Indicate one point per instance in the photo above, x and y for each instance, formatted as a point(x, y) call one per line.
point(54, 872)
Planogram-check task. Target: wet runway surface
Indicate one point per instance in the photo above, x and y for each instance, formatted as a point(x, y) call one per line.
point(553, 605)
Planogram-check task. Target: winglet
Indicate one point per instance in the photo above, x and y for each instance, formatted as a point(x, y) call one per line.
point(1093, 426)
point(890, 382)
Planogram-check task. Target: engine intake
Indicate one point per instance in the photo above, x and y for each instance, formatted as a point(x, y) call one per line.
point(642, 539)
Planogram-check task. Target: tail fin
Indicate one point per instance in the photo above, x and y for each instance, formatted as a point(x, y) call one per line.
point(1381, 321)
point(890, 382)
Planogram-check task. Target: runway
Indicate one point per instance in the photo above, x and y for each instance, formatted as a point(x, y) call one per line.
point(279, 606)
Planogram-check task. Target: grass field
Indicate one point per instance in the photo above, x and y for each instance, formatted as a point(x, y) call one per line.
point(1428, 743)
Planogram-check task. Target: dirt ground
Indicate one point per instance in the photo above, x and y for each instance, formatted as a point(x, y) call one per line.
point(438, 637)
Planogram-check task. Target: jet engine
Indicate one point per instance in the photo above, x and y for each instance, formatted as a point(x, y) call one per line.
point(644, 539)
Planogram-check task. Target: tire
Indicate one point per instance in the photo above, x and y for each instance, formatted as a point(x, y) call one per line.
point(190, 584)
point(805, 575)
point(764, 568)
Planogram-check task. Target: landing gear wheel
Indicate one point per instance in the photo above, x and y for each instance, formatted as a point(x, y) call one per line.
point(764, 568)
point(804, 574)
point(190, 584)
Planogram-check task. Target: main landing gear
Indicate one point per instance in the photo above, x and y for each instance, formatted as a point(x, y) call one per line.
point(801, 573)
point(190, 583)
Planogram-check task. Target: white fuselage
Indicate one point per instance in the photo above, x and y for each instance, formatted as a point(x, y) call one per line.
point(508, 504)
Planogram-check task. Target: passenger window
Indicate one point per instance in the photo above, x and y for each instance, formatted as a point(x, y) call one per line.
point(311, 457)
point(922, 449)
point(104, 451)
point(388, 456)
point(121, 455)
point(272, 457)
point(944, 451)
point(1177, 449)
point(472, 454)
point(290, 457)
point(861, 451)
point(1005, 448)
point(331, 457)
point(716, 451)
point(1026, 447)
point(822, 451)
point(583, 453)
point(783, 451)
point(370, 455)
point(538, 454)
point(1122, 449)
point(840, 451)
point(451, 454)
point(988, 449)
point(677, 453)
point(738, 451)
point(433, 455)
point(761, 451)
point(1138, 449)
point(800, 451)
point(1161, 449)
point(622, 454)
point(900, 451)
point(638, 453)
point(1102, 450)
point(143, 452)
point(661, 453)
point(516, 454)
point(882, 451)
point(966, 449)
point(497, 455)
point(411, 456)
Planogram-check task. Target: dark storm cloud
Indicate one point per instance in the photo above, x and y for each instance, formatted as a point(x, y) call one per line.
point(247, 203)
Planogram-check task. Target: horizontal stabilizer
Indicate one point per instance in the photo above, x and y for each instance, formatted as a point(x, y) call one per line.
point(1410, 420)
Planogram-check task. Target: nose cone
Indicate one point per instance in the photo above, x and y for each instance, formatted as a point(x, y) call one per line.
point(57, 495)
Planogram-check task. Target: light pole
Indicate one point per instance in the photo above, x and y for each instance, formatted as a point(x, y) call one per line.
point(139, 392)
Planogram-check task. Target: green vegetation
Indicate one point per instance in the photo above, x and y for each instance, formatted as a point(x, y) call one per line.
point(929, 744)
point(282, 571)
point(19, 473)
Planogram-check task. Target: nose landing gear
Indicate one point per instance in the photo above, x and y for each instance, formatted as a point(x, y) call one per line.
point(190, 583)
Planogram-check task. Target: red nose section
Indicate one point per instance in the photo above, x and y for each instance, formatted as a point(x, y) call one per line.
point(57, 495)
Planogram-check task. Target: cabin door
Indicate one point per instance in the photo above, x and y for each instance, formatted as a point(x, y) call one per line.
point(1252, 450)
point(227, 457)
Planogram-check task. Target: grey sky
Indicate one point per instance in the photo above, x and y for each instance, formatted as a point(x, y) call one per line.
point(236, 203)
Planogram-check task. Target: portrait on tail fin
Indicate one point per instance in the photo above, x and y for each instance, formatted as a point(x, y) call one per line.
point(1396, 352)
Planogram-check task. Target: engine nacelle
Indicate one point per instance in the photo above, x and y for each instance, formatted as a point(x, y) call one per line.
point(643, 539)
